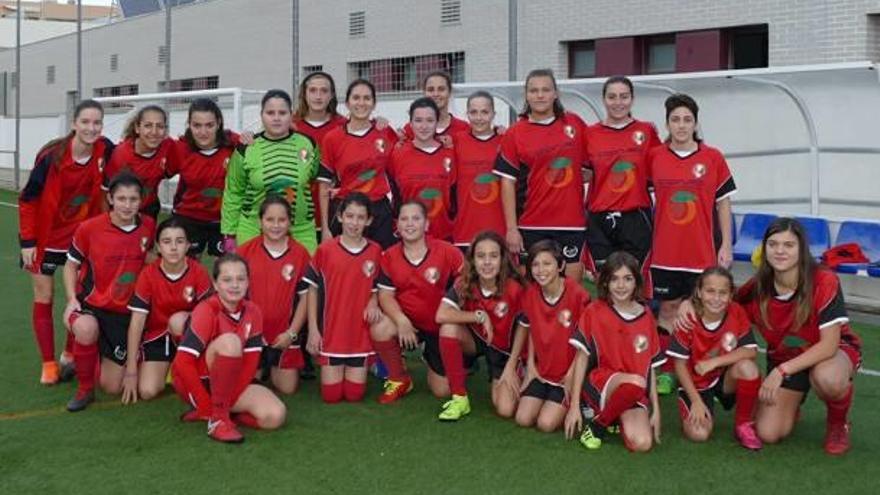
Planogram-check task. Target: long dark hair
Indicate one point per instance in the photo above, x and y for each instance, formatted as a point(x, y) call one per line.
point(708, 272)
point(207, 105)
point(558, 109)
point(59, 145)
point(806, 266)
point(131, 127)
point(614, 262)
point(469, 284)
point(302, 106)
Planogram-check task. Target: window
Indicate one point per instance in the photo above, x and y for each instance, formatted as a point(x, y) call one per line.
point(582, 59)
point(114, 62)
point(124, 90)
point(309, 69)
point(660, 54)
point(191, 84)
point(50, 74)
point(357, 24)
point(749, 47)
point(163, 55)
point(450, 12)
point(406, 73)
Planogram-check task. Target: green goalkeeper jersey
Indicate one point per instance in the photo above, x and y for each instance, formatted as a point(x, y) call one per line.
point(285, 167)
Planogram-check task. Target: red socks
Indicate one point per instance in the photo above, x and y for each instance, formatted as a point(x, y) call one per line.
point(225, 374)
point(453, 364)
point(746, 396)
point(353, 391)
point(246, 419)
point(624, 397)
point(68, 343)
point(44, 331)
point(838, 409)
point(332, 393)
point(389, 352)
point(86, 359)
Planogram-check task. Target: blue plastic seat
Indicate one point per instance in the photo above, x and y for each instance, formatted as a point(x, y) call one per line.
point(874, 270)
point(750, 234)
point(818, 233)
point(867, 236)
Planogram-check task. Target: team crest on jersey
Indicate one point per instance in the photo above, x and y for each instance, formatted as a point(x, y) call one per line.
point(287, 272)
point(569, 131)
point(699, 170)
point(638, 137)
point(728, 342)
point(640, 344)
point(447, 164)
point(189, 293)
point(368, 268)
point(144, 242)
point(501, 309)
point(432, 275)
point(380, 145)
point(564, 318)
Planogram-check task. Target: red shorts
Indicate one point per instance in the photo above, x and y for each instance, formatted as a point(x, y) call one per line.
point(595, 389)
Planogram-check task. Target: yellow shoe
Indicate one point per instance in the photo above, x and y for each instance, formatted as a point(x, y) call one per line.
point(456, 408)
point(395, 390)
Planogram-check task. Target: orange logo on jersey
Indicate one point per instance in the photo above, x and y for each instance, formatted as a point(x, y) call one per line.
point(75, 210)
point(368, 268)
point(623, 177)
point(189, 293)
point(560, 173)
point(640, 344)
point(682, 208)
point(501, 309)
point(287, 272)
point(699, 170)
point(485, 188)
point(447, 164)
point(433, 201)
point(564, 318)
point(638, 137)
point(366, 181)
point(432, 275)
point(569, 131)
point(144, 242)
point(380, 145)
point(728, 342)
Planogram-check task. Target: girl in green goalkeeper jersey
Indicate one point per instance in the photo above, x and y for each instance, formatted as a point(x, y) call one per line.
point(278, 162)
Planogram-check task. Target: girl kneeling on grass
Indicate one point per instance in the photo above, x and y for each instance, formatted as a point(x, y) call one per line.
point(623, 350)
point(551, 306)
point(165, 293)
point(716, 360)
point(221, 347)
point(343, 303)
point(277, 265)
point(478, 316)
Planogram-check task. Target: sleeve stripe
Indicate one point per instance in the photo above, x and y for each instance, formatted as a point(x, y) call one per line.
point(450, 302)
point(139, 310)
point(670, 352)
point(253, 349)
point(310, 282)
point(502, 174)
point(189, 350)
point(580, 345)
point(71, 258)
point(659, 362)
point(747, 346)
point(387, 287)
point(324, 179)
point(837, 321)
point(725, 195)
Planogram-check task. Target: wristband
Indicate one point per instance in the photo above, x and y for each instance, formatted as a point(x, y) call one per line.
point(481, 316)
point(782, 371)
point(293, 335)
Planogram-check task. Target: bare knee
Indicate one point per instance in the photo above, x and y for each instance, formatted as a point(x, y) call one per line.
point(177, 322)
point(524, 419)
point(641, 442)
point(547, 425)
point(150, 391)
point(830, 386)
point(505, 409)
point(85, 330)
point(110, 386)
point(771, 433)
point(273, 417)
point(449, 330)
point(698, 435)
point(384, 330)
point(287, 387)
point(745, 369)
point(227, 345)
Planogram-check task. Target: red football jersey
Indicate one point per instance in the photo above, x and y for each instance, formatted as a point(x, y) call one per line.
point(275, 282)
point(503, 311)
point(317, 133)
point(701, 343)
point(149, 169)
point(110, 259)
point(202, 179)
point(455, 126)
point(420, 286)
point(687, 190)
point(553, 327)
point(477, 188)
point(619, 344)
point(210, 319)
point(357, 163)
point(159, 296)
point(785, 342)
point(546, 161)
point(345, 282)
point(428, 177)
point(617, 158)
point(59, 195)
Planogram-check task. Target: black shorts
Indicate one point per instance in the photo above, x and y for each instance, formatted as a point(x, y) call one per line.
point(112, 333)
point(709, 396)
point(673, 284)
point(52, 260)
point(202, 236)
point(161, 349)
point(610, 231)
point(381, 229)
point(798, 382)
point(351, 362)
point(495, 360)
point(570, 241)
point(431, 353)
point(545, 391)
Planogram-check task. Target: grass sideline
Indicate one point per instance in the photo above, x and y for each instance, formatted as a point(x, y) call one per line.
point(367, 448)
